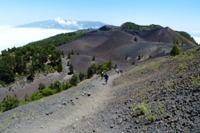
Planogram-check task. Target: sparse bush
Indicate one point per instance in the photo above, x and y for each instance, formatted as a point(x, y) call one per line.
point(104, 67)
point(48, 92)
point(176, 50)
point(41, 87)
point(91, 70)
point(82, 76)
point(36, 95)
point(10, 102)
point(69, 55)
point(74, 80)
point(59, 66)
point(66, 86)
point(151, 111)
point(57, 86)
point(141, 109)
point(151, 118)
point(186, 56)
point(71, 69)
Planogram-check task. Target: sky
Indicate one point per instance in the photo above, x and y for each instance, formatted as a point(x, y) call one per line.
point(182, 15)
point(178, 14)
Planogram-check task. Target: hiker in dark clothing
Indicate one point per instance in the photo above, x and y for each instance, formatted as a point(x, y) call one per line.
point(106, 77)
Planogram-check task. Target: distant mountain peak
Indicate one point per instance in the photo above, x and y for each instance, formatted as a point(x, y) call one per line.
point(60, 23)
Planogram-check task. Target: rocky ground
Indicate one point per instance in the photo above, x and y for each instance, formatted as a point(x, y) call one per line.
point(158, 95)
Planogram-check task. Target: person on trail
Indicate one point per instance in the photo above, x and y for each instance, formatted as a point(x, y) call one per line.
point(106, 77)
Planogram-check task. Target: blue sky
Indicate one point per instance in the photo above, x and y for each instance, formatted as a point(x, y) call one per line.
point(177, 14)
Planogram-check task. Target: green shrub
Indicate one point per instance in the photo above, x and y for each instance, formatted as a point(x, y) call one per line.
point(91, 70)
point(41, 87)
point(66, 86)
point(69, 55)
point(176, 50)
point(82, 76)
point(36, 95)
point(74, 80)
point(141, 109)
point(104, 67)
point(71, 69)
point(48, 92)
point(10, 102)
point(56, 86)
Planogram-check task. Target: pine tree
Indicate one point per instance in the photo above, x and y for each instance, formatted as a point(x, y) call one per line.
point(176, 50)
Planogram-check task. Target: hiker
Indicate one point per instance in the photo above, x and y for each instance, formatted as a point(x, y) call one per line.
point(106, 77)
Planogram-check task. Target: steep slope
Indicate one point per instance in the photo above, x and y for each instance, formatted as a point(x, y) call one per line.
point(165, 35)
point(159, 95)
point(121, 47)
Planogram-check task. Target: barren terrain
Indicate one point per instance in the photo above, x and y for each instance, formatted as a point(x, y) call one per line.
point(165, 90)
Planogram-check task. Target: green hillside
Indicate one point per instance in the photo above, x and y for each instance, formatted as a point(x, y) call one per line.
point(186, 35)
point(132, 26)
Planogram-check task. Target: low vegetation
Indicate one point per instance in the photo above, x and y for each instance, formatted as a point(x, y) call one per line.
point(187, 36)
point(151, 111)
point(58, 40)
point(176, 50)
point(132, 26)
point(28, 60)
point(10, 102)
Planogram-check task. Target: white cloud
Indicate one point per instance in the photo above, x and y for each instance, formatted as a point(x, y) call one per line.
point(63, 22)
point(10, 37)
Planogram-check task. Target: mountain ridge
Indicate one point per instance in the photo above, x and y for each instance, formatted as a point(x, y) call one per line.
point(64, 24)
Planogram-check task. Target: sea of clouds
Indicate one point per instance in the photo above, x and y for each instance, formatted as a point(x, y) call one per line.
point(15, 37)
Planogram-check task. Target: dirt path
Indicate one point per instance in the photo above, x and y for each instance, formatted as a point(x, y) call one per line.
point(81, 104)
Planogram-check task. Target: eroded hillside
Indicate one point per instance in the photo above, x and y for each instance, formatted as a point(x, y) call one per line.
point(157, 95)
